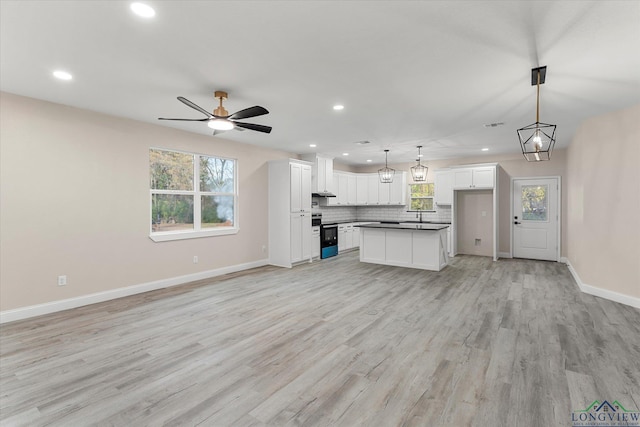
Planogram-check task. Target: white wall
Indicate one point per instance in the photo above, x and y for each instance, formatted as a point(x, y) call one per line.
point(75, 201)
point(604, 203)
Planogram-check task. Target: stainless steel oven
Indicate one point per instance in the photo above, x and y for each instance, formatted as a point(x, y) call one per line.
point(328, 240)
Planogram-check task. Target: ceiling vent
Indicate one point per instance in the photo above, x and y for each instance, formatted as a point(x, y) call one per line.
point(362, 142)
point(494, 125)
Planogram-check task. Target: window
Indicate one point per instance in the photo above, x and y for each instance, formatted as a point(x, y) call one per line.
point(192, 195)
point(421, 197)
point(534, 202)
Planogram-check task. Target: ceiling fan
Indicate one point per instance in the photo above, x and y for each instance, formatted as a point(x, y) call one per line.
point(220, 120)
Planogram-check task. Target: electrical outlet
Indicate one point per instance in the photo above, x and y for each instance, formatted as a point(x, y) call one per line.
point(62, 280)
point(195, 259)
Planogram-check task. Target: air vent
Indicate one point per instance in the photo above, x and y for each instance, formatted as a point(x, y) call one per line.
point(494, 125)
point(362, 142)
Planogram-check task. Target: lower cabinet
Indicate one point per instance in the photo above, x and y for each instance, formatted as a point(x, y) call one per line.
point(315, 242)
point(300, 237)
point(348, 237)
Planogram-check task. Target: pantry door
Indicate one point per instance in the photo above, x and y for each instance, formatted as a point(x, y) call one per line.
point(535, 221)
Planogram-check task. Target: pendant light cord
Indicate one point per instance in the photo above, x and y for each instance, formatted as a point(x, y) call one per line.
point(538, 100)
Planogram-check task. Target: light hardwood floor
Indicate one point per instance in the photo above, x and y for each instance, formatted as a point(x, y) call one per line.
point(332, 343)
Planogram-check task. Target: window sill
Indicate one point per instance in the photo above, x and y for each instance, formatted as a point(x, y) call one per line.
point(182, 235)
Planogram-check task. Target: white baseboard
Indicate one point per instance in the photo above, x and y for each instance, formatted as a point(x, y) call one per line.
point(599, 292)
point(66, 304)
point(504, 255)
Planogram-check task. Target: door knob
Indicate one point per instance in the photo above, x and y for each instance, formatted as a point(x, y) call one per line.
point(516, 222)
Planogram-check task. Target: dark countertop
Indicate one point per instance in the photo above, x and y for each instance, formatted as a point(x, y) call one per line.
point(407, 226)
point(386, 222)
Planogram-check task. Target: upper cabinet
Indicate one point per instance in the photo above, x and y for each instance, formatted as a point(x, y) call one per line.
point(300, 187)
point(478, 177)
point(322, 174)
point(443, 185)
point(365, 189)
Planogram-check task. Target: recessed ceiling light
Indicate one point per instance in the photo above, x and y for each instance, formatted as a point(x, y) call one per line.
point(369, 160)
point(62, 75)
point(345, 154)
point(338, 107)
point(312, 145)
point(485, 149)
point(143, 10)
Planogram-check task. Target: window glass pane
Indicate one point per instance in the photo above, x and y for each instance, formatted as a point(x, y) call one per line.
point(421, 190)
point(170, 170)
point(171, 212)
point(216, 175)
point(534, 202)
point(422, 204)
point(217, 211)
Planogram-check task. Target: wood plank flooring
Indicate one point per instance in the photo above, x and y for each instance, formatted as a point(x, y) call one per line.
point(332, 343)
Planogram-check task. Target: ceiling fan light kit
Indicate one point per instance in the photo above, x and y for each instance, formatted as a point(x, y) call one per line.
point(419, 172)
point(220, 120)
point(537, 139)
point(386, 173)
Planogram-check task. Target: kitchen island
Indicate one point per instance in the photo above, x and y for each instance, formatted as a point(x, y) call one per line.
point(405, 245)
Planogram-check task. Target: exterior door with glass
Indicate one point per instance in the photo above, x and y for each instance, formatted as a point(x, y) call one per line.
point(535, 218)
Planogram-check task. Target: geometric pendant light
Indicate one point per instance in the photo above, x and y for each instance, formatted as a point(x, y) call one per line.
point(386, 173)
point(418, 171)
point(537, 139)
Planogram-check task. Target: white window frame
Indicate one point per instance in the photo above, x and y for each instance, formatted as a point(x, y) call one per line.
point(197, 231)
point(433, 201)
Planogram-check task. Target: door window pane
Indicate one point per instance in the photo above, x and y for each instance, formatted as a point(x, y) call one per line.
point(534, 202)
point(217, 211)
point(171, 212)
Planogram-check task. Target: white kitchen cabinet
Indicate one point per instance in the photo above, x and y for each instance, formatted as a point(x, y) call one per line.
point(351, 189)
point(443, 185)
point(315, 242)
point(373, 197)
point(384, 188)
point(343, 193)
point(473, 178)
point(289, 212)
point(300, 187)
point(398, 189)
point(322, 174)
point(300, 237)
point(362, 189)
point(342, 237)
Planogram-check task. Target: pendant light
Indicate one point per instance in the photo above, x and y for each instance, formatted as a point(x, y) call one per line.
point(386, 173)
point(537, 139)
point(418, 171)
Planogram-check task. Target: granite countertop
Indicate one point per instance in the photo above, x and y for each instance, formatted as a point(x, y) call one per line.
point(407, 226)
point(386, 222)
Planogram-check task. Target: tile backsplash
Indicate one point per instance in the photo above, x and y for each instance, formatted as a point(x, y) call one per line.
point(379, 213)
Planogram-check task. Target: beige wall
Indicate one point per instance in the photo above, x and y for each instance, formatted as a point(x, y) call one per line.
point(604, 202)
point(474, 213)
point(513, 166)
point(75, 201)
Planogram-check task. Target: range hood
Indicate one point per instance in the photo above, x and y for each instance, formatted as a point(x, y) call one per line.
point(323, 194)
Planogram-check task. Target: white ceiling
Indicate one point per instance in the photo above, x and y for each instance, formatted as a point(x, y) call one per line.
point(408, 72)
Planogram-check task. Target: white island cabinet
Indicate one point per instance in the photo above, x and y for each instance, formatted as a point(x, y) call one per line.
point(422, 246)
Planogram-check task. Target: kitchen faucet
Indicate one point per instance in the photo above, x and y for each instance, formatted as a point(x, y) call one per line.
point(419, 213)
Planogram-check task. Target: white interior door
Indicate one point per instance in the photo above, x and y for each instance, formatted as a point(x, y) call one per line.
point(535, 218)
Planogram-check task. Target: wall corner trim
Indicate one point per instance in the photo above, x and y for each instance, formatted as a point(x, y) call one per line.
point(599, 292)
point(66, 304)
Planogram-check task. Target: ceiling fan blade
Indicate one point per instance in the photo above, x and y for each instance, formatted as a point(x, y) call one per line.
point(252, 126)
point(186, 120)
point(248, 113)
point(194, 106)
